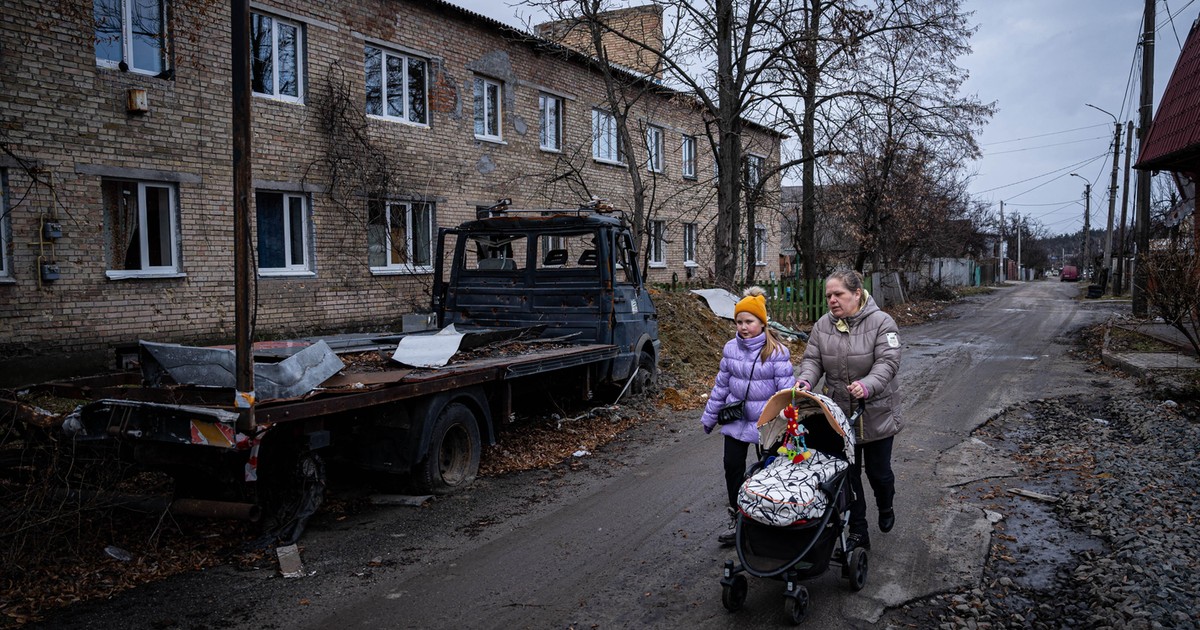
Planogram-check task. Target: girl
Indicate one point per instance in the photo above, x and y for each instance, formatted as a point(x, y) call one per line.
point(754, 365)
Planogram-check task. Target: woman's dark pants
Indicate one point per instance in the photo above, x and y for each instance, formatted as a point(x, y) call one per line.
point(876, 458)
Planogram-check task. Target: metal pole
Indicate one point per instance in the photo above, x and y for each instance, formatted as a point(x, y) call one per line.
point(243, 280)
point(1087, 226)
point(1142, 236)
point(1119, 287)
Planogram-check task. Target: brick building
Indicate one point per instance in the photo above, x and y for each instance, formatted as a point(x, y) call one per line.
point(373, 124)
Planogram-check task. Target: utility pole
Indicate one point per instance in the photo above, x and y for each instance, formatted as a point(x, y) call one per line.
point(1142, 236)
point(1003, 247)
point(1087, 226)
point(243, 398)
point(1112, 197)
point(1020, 271)
point(1087, 222)
point(1119, 286)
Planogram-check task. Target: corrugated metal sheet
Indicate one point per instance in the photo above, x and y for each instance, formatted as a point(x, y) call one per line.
point(1174, 140)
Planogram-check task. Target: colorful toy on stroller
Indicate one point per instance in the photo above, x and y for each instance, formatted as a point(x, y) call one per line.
point(794, 504)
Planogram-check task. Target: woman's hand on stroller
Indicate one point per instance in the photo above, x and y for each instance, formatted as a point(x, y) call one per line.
point(803, 386)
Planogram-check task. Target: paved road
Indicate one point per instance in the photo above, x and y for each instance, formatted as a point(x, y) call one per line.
point(627, 538)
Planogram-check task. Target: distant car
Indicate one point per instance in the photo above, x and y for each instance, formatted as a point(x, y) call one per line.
point(1069, 274)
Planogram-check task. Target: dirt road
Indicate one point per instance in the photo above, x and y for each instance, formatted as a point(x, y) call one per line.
point(626, 537)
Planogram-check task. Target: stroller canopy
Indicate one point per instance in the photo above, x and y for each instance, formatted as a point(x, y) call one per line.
point(772, 423)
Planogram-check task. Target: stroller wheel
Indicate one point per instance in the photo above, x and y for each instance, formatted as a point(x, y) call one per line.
point(856, 569)
point(733, 592)
point(795, 605)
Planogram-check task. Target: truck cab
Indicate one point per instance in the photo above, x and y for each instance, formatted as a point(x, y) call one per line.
point(572, 273)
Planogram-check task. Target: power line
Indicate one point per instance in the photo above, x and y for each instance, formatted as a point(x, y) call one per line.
point(1059, 170)
point(1045, 146)
point(1043, 135)
point(1171, 18)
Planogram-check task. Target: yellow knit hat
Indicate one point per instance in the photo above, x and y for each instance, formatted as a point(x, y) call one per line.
point(756, 305)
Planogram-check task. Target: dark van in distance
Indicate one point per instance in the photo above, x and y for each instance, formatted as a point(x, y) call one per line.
point(1069, 274)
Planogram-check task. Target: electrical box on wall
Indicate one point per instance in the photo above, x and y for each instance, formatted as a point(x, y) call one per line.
point(51, 230)
point(138, 101)
point(49, 272)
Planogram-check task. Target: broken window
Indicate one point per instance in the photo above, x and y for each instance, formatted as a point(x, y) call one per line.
point(397, 86)
point(760, 245)
point(131, 35)
point(658, 243)
point(140, 227)
point(282, 232)
point(689, 157)
point(689, 243)
point(5, 230)
point(400, 236)
point(275, 66)
point(605, 144)
point(654, 149)
point(550, 112)
point(754, 171)
point(487, 108)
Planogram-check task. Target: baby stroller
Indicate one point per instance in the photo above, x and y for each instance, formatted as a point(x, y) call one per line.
point(794, 504)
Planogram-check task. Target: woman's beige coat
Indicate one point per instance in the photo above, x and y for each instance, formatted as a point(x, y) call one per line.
point(868, 353)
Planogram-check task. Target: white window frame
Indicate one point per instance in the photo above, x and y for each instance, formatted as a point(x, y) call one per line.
point(689, 244)
point(491, 93)
point(404, 268)
point(688, 151)
point(289, 268)
point(654, 149)
point(146, 270)
point(760, 246)
point(406, 61)
point(658, 243)
point(606, 142)
point(127, 41)
point(550, 113)
point(276, 22)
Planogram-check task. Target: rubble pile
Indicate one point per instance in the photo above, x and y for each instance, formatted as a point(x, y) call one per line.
point(1123, 549)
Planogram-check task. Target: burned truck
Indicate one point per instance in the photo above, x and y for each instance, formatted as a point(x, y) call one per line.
point(526, 302)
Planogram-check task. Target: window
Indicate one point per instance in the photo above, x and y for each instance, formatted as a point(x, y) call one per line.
point(396, 86)
point(654, 149)
point(282, 232)
point(658, 244)
point(550, 113)
point(689, 243)
point(5, 265)
point(275, 60)
point(140, 228)
point(754, 171)
point(605, 145)
point(760, 245)
point(487, 109)
point(400, 236)
point(689, 157)
point(131, 35)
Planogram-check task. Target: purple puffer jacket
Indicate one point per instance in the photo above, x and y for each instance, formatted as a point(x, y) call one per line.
point(773, 375)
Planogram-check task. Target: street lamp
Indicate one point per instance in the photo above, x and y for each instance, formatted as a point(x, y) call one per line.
point(1087, 220)
point(1112, 198)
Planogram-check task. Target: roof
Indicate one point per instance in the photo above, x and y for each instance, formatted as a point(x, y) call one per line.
point(1173, 143)
point(538, 43)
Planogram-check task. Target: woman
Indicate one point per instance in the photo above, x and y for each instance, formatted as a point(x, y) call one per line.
point(856, 347)
point(754, 365)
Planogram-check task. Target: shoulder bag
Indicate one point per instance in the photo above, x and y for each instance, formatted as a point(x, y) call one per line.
point(732, 412)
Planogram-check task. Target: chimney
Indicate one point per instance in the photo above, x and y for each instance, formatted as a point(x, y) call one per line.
point(641, 24)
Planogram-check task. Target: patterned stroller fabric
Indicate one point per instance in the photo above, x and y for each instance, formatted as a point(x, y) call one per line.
point(783, 492)
point(787, 489)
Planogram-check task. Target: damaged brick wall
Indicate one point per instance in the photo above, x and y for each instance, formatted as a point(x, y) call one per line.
point(65, 114)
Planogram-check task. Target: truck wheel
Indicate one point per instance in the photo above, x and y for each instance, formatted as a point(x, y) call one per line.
point(647, 376)
point(453, 458)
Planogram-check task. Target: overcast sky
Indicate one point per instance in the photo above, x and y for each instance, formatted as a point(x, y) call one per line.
point(1041, 61)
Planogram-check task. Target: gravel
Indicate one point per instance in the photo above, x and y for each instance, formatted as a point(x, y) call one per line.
point(1120, 548)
